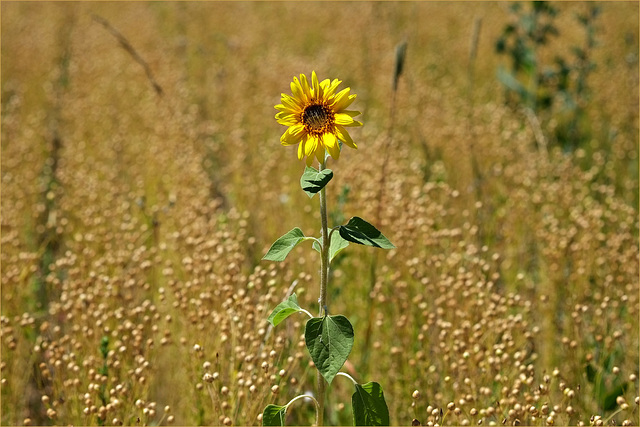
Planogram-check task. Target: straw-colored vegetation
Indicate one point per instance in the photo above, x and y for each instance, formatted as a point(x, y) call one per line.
point(143, 180)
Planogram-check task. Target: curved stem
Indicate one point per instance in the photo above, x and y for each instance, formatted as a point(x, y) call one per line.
point(344, 374)
point(306, 312)
point(302, 396)
point(606, 422)
point(324, 275)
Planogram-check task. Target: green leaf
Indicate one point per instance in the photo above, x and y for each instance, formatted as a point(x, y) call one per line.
point(337, 244)
point(283, 310)
point(312, 180)
point(273, 415)
point(281, 247)
point(609, 400)
point(329, 340)
point(359, 231)
point(591, 372)
point(369, 406)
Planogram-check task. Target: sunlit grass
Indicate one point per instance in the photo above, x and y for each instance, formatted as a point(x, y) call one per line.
point(511, 296)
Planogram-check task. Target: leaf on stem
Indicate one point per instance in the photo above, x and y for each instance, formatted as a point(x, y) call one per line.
point(281, 247)
point(359, 231)
point(329, 340)
point(312, 180)
point(337, 244)
point(283, 310)
point(273, 415)
point(369, 406)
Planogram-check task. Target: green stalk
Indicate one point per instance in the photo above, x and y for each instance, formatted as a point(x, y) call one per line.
point(322, 301)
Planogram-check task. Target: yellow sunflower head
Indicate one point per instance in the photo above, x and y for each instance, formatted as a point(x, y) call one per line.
point(317, 117)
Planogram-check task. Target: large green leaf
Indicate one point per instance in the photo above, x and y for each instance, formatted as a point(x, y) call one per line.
point(369, 406)
point(273, 415)
point(329, 340)
point(359, 231)
point(337, 244)
point(283, 310)
point(281, 247)
point(312, 180)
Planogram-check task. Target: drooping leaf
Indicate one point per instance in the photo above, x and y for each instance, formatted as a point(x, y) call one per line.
point(281, 247)
point(273, 415)
point(337, 244)
point(329, 340)
point(369, 406)
point(283, 310)
point(609, 397)
point(359, 231)
point(312, 180)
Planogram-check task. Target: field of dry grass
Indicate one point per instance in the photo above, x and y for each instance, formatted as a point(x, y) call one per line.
point(143, 180)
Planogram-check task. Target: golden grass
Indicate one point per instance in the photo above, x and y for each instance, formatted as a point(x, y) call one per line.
point(140, 219)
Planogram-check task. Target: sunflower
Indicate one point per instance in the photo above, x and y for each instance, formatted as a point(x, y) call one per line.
point(317, 117)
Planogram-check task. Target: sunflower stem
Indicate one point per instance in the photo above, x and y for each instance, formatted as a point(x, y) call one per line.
point(324, 277)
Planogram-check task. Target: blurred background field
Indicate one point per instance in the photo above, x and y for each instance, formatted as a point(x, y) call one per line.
point(143, 180)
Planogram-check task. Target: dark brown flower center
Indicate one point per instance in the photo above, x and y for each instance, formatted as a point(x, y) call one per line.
point(317, 118)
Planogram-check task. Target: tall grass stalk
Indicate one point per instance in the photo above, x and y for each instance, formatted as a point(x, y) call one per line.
point(401, 50)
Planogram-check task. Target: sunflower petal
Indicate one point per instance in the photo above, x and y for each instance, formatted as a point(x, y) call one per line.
point(305, 87)
point(317, 89)
point(292, 135)
point(332, 87)
point(320, 154)
point(344, 136)
point(342, 93)
point(281, 107)
point(329, 140)
point(292, 103)
point(311, 145)
point(303, 142)
point(343, 119)
point(287, 119)
point(297, 90)
point(325, 84)
point(309, 161)
point(343, 100)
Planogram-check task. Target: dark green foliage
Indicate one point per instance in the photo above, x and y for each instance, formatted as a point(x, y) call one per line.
point(312, 180)
point(558, 89)
point(274, 415)
point(369, 406)
point(329, 340)
point(284, 309)
point(285, 244)
point(361, 232)
point(607, 385)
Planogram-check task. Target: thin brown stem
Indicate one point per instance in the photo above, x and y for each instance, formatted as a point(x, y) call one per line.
point(126, 45)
